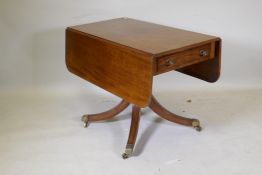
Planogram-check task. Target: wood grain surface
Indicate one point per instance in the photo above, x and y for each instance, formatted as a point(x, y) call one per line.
point(122, 55)
point(145, 37)
point(208, 70)
point(124, 73)
point(184, 58)
point(134, 125)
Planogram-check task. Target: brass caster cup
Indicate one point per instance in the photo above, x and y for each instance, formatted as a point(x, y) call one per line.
point(128, 152)
point(198, 128)
point(125, 155)
point(196, 125)
point(85, 120)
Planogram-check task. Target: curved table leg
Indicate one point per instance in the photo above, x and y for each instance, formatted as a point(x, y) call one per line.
point(164, 113)
point(132, 132)
point(105, 115)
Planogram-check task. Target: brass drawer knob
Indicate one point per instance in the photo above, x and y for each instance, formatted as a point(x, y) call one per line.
point(169, 62)
point(203, 53)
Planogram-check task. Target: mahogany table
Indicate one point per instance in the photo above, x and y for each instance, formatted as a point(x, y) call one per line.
point(122, 56)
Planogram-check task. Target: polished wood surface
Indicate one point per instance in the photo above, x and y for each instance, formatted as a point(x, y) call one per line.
point(185, 58)
point(150, 38)
point(134, 125)
point(107, 114)
point(164, 113)
point(119, 71)
point(122, 55)
point(208, 70)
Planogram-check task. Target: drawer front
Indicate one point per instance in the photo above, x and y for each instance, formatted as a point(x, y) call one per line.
point(185, 58)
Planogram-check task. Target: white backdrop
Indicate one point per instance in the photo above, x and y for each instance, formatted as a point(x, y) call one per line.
point(32, 36)
point(40, 128)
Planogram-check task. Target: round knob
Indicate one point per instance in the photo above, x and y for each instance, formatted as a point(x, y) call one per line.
point(203, 53)
point(169, 62)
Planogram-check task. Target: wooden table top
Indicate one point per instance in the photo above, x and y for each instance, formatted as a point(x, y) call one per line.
point(122, 55)
point(143, 36)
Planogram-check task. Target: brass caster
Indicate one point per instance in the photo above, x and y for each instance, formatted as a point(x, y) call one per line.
point(85, 120)
point(198, 128)
point(125, 155)
point(128, 152)
point(196, 125)
point(85, 125)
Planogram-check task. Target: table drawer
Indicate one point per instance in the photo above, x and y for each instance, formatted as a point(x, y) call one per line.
point(185, 58)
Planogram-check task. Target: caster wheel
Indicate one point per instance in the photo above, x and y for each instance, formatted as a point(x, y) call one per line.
point(198, 128)
point(85, 124)
point(125, 155)
point(85, 120)
point(196, 125)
